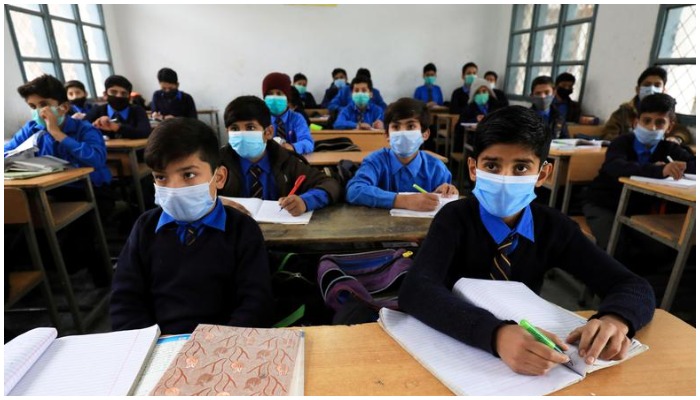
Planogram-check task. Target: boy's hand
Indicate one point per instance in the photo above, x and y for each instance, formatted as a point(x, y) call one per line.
point(431, 104)
point(156, 115)
point(289, 147)
point(674, 169)
point(446, 190)
point(103, 123)
point(364, 125)
point(524, 354)
point(78, 115)
point(605, 338)
point(479, 117)
point(294, 204)
point(51, 121)
point(378, 125)
point(237, 206)
point(417, 202)
point(168, 116)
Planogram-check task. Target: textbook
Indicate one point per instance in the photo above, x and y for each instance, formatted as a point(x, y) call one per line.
point(235, 361)
point(101, 364)
point(166, 349)
point(269, 211)
point(467, 370)
point(400, 212)
point(685, 182)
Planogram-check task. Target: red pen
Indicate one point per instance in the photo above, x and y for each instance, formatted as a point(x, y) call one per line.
point(298, 183)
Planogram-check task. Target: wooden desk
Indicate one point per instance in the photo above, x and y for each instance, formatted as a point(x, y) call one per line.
point(326, 158)
point(445, 124)
point(362, 360)
point(345, 223)
point(54, 216)
point(674, 230)
point(123, 151)
point(572, 166)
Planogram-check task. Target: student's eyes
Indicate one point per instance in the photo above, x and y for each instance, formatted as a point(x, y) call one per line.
point(251, 128)
point(412, 126)
point(491, 167)
point(189, 175)
point(395, 127)
point(159, 178)
point(521, 169)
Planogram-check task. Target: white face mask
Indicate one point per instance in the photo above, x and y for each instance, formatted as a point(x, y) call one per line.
point(645, 91)
point(492, 85)
point(186, 204)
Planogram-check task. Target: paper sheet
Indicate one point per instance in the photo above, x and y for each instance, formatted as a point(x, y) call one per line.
point(669, 181)
point(400, 212)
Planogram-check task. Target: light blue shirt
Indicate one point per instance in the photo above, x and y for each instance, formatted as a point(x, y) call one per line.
point(643, 152)
point(499, 231)
point(348, 116)
point(344, 97)
point(421, 94)
point(215, 219)
point(298, 133)
point(123, 114)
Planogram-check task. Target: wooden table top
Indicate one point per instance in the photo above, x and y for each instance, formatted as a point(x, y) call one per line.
point(53, 179)
point(362, 360)
point(567, 152)
point(136, 144)
point(333, 157)
point(687, 194)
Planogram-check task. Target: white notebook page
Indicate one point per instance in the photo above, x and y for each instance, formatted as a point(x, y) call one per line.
point(23, 351)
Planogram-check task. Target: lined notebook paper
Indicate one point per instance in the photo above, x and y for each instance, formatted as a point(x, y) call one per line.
point(400, 212)
point(669, 181)
point(269, 211)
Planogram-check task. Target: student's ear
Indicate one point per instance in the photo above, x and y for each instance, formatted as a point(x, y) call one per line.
point(220, 176)
point(636, 90)
point(545, 171)
point(671, 125)
point(268, 133)
point(105, 95)
point(471, 165)
point(426, 134)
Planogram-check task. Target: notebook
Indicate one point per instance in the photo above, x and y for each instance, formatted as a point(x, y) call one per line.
point(39, 364)
point(686, 182)
point(578, 143)
point(269, 211)
point(400, 212)
point(467, 370)
point(236, 361)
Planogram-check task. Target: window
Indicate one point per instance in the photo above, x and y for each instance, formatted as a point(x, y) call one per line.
point(68, 41)
point(548, 39)
point(674, 50)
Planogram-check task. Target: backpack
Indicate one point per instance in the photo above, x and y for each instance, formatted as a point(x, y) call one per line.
point(342, 172)
point(335, 144)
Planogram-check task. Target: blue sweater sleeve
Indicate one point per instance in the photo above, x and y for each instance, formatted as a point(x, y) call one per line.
point(363, 189)
point(20, 136)
point(345, 119)
point(315, 199)
point(304, 142)
point(417, 94)
point(89, 149)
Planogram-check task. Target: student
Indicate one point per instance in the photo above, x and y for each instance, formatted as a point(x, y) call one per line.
point(170, 101)
point(258, 166)
point(386, 173)
point(361, 113)
point(460, 96)
point(542, 96)
point(643, 153)
point(77, 95)
point(306, 97)
point(340, 79)
point(344, 96)
point(192, 261)
point(296, 105)
point(492, 78)
point(430, 93)
point(290, 128)
point(118, 119)
point(477, 237)
point(482, 102)
point(568, 109)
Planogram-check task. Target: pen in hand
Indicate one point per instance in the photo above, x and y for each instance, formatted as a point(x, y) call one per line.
point(297, 184)
point(418, 188)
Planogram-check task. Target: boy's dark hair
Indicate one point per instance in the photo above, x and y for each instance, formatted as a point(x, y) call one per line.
point(495, 75)
point(247, 108)
point(177, 138)
point(653, 71)
point(467, 65)
point(299, 77)
point(513, 125)
point(363, 72)
point(118, 80)
point(565, 77)
point(407, 107)
point(45, 86)
point(167, 75)
point(338, 71)
point(658, 103)
point(75, 84)
point(541, 80)
point(361, 79)
point(429, 67)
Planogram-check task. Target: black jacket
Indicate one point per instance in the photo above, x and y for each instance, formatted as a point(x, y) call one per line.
point(135, 127)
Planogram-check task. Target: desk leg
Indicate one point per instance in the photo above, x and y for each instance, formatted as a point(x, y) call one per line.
point(555, 182)
point(681, 259)
point(134, 164)
point(567, 198)
point(621, 209)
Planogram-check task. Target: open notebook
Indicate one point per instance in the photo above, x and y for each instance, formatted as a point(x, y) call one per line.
point(269, 211)
point(578, 143)
point(400, 212)
point(686, 182)
point(38, 364)
point(467, 370)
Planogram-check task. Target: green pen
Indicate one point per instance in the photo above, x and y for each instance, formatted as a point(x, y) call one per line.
point(539, 336)
point(418, 188)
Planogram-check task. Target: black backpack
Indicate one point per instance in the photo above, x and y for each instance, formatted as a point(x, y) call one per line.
point(335, 144)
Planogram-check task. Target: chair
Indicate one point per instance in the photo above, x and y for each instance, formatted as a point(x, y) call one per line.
point(445, 124)
point(22, 282)
point(588, 130)
point(583, 169)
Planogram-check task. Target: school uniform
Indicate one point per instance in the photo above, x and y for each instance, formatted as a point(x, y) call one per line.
point(167, 277)
point(328, 96)
point(427, 94)
point(501, 96)
point(74, 109)
point(279, 170)
point(463, 241)
point(133, 121)
point(568, 109)
point(351, 115)
point(381, 177)
point(469, 116)
point(84, 146)
point(307, 99)
point(292, 127)
point(180, 104)
point(459, 100)
point(556, 126)
point(344, 97)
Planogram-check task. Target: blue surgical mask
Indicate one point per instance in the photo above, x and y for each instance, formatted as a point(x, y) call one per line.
point(430, 80)
point(468, 79)
point(481, 98)
point(248, 144)
point(360, 99)
point(339, 83)
point(300, 89)
point(645, 91)
point(503, 196)
point(276, 104)
point(40, 121)
point(405, 143)
point(186, 204)
point(648, 137)
point(542, 103)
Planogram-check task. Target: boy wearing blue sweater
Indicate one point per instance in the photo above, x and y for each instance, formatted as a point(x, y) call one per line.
point(290, 128)
point(361, 113)
point(430, 93)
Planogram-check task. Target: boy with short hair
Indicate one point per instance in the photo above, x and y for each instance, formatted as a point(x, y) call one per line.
point(492, 78)
point(170, 101)
point(542, 96)
point(387, 172)
point(479, 236)
point(361, 114)
point(118, 119)
point(460, 96)
point(340, 79)
point(344, 96)
point(289, 127)
point(192, 261)
point(259, 167)
point(568, 109)
point(429, 93)
point(77, 95)
point(300, 83)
